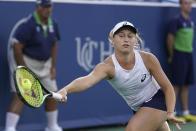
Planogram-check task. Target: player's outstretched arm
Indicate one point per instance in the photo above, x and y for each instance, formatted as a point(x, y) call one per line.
point(82, 83)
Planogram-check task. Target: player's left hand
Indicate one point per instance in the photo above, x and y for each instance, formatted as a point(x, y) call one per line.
point(173, 120)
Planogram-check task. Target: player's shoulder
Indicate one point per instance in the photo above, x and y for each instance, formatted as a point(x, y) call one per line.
point(107, 63)
point(105, 66)
point(149, 59)
point(147, 56)
point(109, 67)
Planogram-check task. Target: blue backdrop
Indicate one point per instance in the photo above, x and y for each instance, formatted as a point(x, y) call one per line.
point(84, 42)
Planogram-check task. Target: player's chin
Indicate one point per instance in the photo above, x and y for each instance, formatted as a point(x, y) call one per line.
point(126, 51)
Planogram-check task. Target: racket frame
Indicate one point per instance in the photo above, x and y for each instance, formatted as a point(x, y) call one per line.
point(45, 92)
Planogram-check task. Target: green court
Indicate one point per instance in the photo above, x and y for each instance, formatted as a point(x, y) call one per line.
point(190, 126)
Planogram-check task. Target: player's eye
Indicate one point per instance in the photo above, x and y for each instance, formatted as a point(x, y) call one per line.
point(130, 36)
point(121, 35)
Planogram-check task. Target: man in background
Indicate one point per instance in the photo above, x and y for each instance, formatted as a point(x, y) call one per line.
point(34, 44)
point(180, 47)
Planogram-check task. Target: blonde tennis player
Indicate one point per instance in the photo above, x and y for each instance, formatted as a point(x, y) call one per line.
point(138, 77)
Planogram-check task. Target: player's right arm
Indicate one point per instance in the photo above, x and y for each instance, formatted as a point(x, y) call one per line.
point(18, 54)
point(80, 84)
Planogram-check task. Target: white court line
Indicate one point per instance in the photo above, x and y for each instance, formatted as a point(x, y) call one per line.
point(123, 3)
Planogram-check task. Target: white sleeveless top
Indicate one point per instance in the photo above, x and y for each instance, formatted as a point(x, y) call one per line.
point(137, 85)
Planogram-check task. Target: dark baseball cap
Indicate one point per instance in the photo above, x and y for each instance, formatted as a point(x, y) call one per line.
point(44, 2)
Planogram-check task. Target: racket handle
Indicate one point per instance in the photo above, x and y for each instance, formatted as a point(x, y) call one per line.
point(57, 96)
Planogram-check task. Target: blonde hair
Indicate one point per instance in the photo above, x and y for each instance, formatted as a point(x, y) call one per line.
point(110, 36)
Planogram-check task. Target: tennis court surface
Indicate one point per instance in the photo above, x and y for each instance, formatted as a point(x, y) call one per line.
point(189, 126)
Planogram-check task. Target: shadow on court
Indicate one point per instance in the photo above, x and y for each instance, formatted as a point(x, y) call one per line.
point(118, 127)
point(189, 126)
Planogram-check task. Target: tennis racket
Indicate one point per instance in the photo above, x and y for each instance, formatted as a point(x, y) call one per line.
point(29, 88)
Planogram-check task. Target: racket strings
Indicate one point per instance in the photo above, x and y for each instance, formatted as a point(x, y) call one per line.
point(34, 96)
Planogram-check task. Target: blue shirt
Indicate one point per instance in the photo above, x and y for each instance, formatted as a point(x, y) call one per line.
point(183, 29)
point(37, 42)
point(179, 22)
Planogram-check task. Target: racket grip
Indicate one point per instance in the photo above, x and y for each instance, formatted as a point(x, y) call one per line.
point(57, 96)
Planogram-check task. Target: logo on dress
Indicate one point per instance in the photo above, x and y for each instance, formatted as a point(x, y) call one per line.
point(143, 77)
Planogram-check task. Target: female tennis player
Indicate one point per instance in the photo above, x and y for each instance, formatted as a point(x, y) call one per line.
point(138, 77)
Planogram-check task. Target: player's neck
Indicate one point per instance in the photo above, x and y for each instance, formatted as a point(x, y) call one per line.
point(126, 60)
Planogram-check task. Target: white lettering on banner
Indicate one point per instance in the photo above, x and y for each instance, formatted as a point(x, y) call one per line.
point(103, 52)
point(85, 52)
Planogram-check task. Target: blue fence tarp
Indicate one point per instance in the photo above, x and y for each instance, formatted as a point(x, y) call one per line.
point(84, 30)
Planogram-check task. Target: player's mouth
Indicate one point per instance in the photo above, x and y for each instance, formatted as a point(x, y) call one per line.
point(125, 45)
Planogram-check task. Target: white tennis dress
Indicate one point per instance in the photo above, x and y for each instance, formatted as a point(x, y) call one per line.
point(137, 85)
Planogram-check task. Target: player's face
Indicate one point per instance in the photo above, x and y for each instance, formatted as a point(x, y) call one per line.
point(44, 11)
point(124, 41)
point(186, 6)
